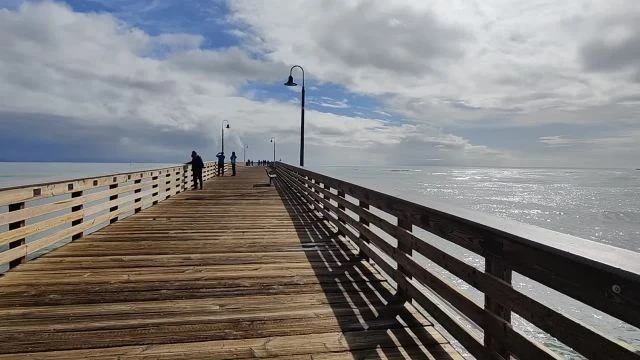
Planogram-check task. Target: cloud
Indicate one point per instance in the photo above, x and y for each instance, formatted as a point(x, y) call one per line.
point(126, 94)
point(615, 46)
point(558, 140)
point(331, 103)
point(434, 70)
point(383, 113)
point(485, 63)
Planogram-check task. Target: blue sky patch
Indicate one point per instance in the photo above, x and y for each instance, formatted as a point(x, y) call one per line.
point(157, 17)
point(323, 97)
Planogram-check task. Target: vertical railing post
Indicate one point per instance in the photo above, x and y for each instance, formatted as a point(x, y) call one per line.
point(183, 183)
point(364, 206)
point(154, 180)
point(138, 199)
point(178, 180)
point(404, 275)
point(497, 268)
point(74, 195)
point(340, 206)
point(167, 183)
point(18, 242)
point(111, 198)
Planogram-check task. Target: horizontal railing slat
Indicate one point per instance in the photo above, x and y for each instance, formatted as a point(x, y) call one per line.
point(459, 301)
point(471, 343)
point(584, 279)
point(90, 196)
point(28, 230)
point(32, 192)
point(596, 282)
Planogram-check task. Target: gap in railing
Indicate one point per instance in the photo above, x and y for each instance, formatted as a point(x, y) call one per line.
point(467, 324)
point(96, 205)
point(595, 342)
point(572, 308)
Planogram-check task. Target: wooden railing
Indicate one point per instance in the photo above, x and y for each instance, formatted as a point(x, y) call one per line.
point(601, 276)
point(45, 215)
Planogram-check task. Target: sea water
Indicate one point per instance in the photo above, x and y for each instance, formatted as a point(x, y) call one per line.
point(601, 205)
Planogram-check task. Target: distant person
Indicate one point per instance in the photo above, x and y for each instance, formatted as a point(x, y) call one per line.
point(252, 162)
point(220, 157)
point(196, 168)
point(233, 163)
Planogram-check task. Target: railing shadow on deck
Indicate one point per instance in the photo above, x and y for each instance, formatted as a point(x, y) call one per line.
point(360, 299)
point(599, 276)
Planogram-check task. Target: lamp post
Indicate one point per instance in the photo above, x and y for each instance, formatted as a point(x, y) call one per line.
point(245, 152)
point(273, 140)
point(291, 83)
point(223, 121)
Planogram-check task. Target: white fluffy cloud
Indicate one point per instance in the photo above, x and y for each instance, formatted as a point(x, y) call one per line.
point(452, 62)
point(91, 70)
point(444, 65)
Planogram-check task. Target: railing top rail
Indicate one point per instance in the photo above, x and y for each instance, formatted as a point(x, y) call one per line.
point(598, 275)
point(92, 177)
point(602, 256)
point(21, 193)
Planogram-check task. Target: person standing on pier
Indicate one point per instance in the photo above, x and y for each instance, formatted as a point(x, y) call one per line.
point(196, 168)
point(233, 163)
point(220, 157)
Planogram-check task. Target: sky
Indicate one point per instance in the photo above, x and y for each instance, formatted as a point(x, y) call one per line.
point(540, 83)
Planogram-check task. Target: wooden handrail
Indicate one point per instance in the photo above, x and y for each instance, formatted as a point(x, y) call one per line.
point(68, 208)
point(601, 276)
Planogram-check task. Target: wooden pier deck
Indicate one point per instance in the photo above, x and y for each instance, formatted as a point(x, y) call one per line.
point(238, 270)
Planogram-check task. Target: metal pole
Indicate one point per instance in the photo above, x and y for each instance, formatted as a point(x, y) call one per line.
point(302, 126)
point(222, 137)
point(274, 150)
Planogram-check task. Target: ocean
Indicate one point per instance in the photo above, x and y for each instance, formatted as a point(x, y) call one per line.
point(601, 205)
point(21, 173)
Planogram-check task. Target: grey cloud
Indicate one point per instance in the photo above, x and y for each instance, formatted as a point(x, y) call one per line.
point(151, 85)
point(600, 54)
point(232, 63)
point(397, 39)
point(35, 137)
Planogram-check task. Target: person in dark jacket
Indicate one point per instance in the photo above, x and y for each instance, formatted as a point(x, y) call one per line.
point(233, 163)
point(196, 168)
point(220, 157)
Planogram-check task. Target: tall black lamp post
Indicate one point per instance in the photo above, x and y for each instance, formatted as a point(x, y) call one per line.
point(273, 140)
point(224, 121)
point(290, 82)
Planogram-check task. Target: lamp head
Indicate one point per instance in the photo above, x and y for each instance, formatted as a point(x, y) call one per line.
point(290, 82)
point(227, 126)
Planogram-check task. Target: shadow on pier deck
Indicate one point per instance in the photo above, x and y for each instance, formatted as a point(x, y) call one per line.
point(234, 271)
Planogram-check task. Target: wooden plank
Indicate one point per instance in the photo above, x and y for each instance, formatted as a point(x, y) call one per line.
point(29, 248)
point(273, 275)
point(19, 242)
point(37, 191)
point(28, 230)
point(582, 269)
point(251, 348)
point(31, 212)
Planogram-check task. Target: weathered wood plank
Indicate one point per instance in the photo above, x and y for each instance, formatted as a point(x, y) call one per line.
point(251, 348)
point(231, 271)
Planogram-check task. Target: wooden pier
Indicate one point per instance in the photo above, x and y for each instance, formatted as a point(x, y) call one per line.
point(235, 271)
point(309, 268)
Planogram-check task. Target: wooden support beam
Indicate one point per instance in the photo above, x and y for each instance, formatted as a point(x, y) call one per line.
point(19, 242)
